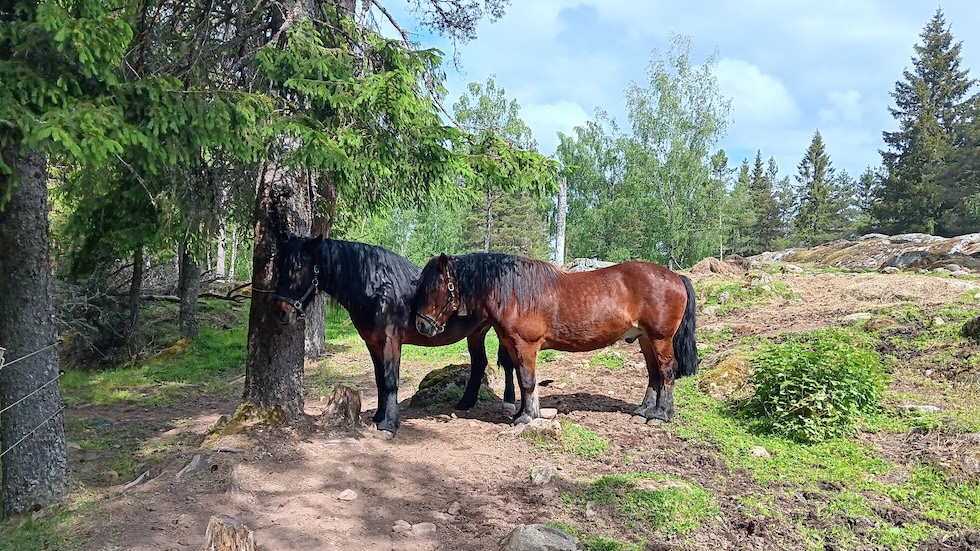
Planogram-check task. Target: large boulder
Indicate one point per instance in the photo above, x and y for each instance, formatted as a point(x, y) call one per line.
point(538, 537)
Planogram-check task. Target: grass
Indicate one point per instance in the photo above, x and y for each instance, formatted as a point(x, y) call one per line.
point(575, 440)
point(648, 502)
point(731, 296)
point(609, 359)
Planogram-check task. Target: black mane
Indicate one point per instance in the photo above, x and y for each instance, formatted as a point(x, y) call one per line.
point(498, 277)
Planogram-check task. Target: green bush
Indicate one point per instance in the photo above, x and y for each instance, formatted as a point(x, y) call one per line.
point(815, 386)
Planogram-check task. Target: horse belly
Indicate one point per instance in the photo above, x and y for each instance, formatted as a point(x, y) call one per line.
point(592, 336)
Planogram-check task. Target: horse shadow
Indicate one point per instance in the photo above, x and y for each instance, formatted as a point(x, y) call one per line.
point(492, 411)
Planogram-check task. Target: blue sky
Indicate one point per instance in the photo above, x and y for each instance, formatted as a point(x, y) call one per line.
point(789, 68)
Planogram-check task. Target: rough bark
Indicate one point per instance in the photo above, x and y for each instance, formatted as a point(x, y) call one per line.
point(35, 469)
point(274, 368)
point(135, 290)
point(227, 533)
point(188, 288)
point(317, 312)
point(560, 221)
point(220, 269)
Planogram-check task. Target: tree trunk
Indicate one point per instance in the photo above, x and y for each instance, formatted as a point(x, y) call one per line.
point(560, 221)
point(32, 436)
point(274, 368)
point(188, 287)
point(135, 288)
point(489, 224)
point(227, 533)
point(220, 269)
point(316, 314)
point(234, 257)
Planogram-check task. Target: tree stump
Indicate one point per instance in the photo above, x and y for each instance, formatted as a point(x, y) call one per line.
point(227, 533)
point(343, 408)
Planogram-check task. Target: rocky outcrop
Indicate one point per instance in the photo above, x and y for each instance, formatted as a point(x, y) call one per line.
point(876, 251)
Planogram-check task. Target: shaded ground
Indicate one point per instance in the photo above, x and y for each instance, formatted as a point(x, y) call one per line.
point(284, 484)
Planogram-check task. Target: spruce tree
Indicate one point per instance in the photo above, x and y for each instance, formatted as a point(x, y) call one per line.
point(930, 107)
point(816, 179)
point(768, 223)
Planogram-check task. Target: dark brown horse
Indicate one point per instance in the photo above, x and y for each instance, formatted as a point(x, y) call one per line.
point(534, 305)
point(377, 288)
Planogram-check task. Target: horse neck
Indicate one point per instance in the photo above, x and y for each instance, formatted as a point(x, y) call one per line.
point(350, 284)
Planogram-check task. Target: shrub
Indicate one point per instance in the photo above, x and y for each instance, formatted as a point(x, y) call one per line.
point(814, 386)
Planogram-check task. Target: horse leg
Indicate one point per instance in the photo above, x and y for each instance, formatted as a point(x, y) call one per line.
point(476, 344)
point(526, 354)
point(504, 360)
point(387, 359)
point(668, 373)
point(654, 379)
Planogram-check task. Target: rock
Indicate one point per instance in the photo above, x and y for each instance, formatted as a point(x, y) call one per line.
point(890, 270)
point(401, 526)
point(590, 512)
point(857, 316)
point(512, 432)
point(959, 273)
point(761, 280)
point(724, 297)
point(549, 413)
point(194, 464)
point(453, 508)
point(548, 428)
point(920, 408)
point(538, 537)
point(347, 495)
point(792, 269)
point(72, 446)
point(223, 420)
point(724, 374)
point(937, 321)
point(952, 268)
point(971, 329)
point(760, 452)
point(111, 476)
point(638, 419)
point(586, 265)
point(542, 474)
point(423, 529)
point(971, 465)
point(710, 310)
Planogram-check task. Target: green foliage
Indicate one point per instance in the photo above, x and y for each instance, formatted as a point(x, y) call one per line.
point(652, 501)
point(609, 359)
point(734, 296)
point(547, 356)
point(814, 387)
point(825, 199)
point(575, 440)
point(938, 498)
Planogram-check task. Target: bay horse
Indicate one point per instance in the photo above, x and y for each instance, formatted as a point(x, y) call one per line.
point(377, 287)
point(534, 305)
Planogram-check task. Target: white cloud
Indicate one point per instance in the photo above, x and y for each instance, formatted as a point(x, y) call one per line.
point(757, 98)
point(843, 107)
point(547, 119)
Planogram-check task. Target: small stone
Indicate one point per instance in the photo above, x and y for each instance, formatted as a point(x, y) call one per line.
point(543, 427)
point(724, 297)
point(525, 537)
point(590, 512)
point(347, 495)
point(938, 321)
point(401, 526)
point(453, 508)
point(710, 310)
point(890, 270)
point(111, 476)
point(73, 446)
point(792, 269)
point(511, 432)
point(760, 452)
point(954, 268)
point(223, 420)
point(971, 465)
point(549, 413)
point(423, 529)
point(638, 419)
point(920, 408)
point(542, 474)
point(857, 316)
point(959, 273)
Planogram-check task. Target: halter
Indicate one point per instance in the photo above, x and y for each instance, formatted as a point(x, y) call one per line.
point(298, 304)
point(451, 287)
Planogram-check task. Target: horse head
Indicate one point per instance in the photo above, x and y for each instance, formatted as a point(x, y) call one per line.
point(437, 296)
point(298, 276)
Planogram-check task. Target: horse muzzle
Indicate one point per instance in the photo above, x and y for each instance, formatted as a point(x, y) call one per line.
point(427, 326)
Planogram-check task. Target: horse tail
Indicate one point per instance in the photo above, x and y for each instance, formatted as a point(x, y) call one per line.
point(685, 340)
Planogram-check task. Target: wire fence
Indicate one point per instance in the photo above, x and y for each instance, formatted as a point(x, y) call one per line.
point(21, 400)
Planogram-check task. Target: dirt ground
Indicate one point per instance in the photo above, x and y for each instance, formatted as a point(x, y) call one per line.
point(462, 472)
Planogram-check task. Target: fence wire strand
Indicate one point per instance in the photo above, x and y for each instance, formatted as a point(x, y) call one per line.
point(24, 357)
point(33, 392)
point(26, 436)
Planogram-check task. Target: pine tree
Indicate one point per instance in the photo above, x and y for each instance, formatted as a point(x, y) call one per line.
point(815, 175)
point(930, 108)
point(768, 224)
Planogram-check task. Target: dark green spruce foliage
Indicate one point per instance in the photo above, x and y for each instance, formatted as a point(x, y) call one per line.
point(767, 226)
point(813, 387)
point(932, 107)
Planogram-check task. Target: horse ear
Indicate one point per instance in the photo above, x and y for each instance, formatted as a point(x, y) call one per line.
point(443, 262)
point(312, 244)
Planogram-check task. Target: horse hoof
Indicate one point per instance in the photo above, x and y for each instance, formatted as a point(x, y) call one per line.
point(523, 419)
point(382, 434)
point(510, 407)
point(638, 419)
